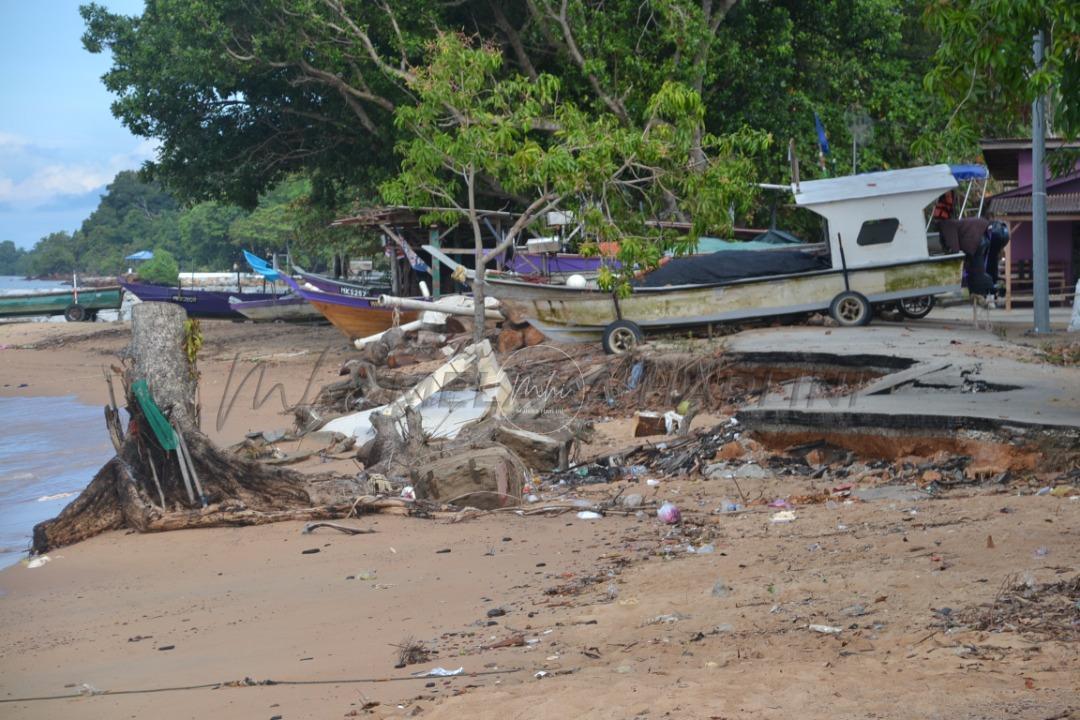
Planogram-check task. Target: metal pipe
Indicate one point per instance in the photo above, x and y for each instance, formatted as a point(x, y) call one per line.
point(1040, 260)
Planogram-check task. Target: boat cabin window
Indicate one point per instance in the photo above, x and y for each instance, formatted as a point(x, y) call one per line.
point(878, 232)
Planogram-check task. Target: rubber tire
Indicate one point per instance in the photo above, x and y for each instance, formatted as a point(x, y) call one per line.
point(75, 313)
point(918, 314)
point(842, 303)
point(621, 337)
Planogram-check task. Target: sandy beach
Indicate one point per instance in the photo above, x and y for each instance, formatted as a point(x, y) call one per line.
point(608, 618)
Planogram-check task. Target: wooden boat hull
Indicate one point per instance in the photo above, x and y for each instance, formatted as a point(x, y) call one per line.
point(568, 315)
point(56, 303)
point(355, 317)
point(358, 322)
point(291, 308)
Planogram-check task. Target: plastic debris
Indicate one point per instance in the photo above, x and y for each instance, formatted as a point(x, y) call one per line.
point(408, 492)
point(589, 515)
point(784, 516)
point(439, 672)
point(720, 589)
point(826, 629)
point(652, 482)
point(669, 514)
point(38, 561)
point(727, 506)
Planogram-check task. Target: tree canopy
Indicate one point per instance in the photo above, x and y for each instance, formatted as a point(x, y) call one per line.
point(984, 67)
point(254, 92)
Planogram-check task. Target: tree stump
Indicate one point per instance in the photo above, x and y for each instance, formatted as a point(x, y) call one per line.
point(130, 489)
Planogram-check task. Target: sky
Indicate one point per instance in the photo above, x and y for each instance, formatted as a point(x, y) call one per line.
point(59, 143)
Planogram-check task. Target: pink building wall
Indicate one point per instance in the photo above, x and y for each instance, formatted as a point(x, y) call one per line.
point(1059, 234)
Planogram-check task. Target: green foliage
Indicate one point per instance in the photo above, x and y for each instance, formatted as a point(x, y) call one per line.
point(252, 94)
point(984, 67)
point(11, 258)
point(53, 254)
point(470, 121)
point(162, 269)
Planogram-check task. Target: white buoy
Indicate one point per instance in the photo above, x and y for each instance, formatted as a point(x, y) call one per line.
point(577, 282)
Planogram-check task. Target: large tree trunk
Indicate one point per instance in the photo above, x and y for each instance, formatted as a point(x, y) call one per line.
point(144, 486)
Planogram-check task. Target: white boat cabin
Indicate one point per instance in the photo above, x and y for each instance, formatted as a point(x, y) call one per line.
point(879, 216)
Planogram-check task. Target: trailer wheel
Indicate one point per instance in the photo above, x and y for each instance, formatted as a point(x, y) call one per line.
point(75, 313)
point(916, 308)
point(851, 309)
point(621, 337)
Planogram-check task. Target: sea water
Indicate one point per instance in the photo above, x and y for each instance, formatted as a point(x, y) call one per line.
point(50, 449)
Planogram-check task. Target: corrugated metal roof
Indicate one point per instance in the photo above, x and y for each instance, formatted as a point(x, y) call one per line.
point(1062, 204)
point(876, 184)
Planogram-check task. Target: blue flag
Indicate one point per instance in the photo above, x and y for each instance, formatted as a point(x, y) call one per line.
point(822, 140)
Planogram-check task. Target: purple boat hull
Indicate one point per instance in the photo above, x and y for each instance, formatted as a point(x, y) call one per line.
point(333, 286)
point(197, 303)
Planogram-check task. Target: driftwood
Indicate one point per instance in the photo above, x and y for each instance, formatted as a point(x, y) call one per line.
point(538, 451)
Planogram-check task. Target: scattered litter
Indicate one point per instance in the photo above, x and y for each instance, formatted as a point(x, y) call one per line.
point(367, 575)
point(439, 672)
point(38, 561)
point(669, 514)
point(589, 515)
point(727, 506)
point(541, 674)
point(652, 482)
point(706, 550)
point(667, 619)
point(720, 589)
point(1043, 491)
point(1041, 552)
point(784, 516)
point(826, 629)
point(408, 492)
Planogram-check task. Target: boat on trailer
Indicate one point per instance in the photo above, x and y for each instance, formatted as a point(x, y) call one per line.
point(878, 256)
point(75, 304)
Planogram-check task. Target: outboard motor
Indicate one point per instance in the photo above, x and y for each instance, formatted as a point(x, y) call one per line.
point(998, 232)
point(971, 237)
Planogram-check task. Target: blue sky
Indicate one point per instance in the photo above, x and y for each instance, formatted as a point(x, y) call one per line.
point(59, 143)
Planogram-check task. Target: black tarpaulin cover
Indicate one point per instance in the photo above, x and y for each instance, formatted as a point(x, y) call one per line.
point(730, 265)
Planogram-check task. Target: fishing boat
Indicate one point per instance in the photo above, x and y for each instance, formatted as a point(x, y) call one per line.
point(197, 303)
point(335, 286)
point(281, 308)
point(356, 317)
point(878, 254)
point(76, 304)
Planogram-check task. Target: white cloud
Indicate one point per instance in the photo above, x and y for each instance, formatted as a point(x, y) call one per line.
point(10, 141)
point(48, 181)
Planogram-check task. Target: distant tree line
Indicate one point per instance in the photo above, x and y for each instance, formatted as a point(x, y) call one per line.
point(136, 215)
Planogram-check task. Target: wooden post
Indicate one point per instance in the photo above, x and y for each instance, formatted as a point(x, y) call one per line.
point(1008, 271)
point(436, 268)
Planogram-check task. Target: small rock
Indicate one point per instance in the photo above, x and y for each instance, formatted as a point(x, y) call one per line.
point(309, 551)
point(751, 471)
point(931, 476)
point(495, 612)
point(632, 501)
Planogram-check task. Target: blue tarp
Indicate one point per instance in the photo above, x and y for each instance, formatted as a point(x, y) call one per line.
point(262, 267)
point(141, 255)
point(968, 172)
